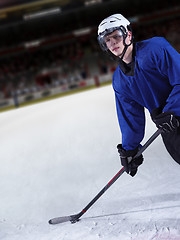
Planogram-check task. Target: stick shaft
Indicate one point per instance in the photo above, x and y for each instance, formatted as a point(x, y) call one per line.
point(149, 141)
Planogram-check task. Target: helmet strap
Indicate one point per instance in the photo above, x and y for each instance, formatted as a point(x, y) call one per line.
point(125, 46)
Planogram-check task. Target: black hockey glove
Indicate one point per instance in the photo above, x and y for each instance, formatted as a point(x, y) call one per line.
point(166, 121)
point(130, 164)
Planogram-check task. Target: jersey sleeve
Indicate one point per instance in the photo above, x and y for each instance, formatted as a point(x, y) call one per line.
point(170, 66)
point(131, 119)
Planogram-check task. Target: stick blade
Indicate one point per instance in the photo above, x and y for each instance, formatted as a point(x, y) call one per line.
point(58, 220)
point(71, 218)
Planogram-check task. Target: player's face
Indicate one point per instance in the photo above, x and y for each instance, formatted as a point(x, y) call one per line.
point(114, 42)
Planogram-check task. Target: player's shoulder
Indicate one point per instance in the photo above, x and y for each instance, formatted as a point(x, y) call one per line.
point(151, 48)
point(153, 43)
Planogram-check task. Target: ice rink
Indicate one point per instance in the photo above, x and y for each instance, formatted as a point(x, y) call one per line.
point(57, 155)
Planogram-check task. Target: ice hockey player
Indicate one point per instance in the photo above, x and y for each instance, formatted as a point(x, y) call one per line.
point(147, 76)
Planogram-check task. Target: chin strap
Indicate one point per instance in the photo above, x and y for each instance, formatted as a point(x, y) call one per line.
point(125, 49)
point(125, 46)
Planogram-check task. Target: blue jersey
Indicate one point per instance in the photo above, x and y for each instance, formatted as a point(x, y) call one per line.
point(155, 82)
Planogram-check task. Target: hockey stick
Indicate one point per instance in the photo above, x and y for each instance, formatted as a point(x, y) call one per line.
point(75, 218)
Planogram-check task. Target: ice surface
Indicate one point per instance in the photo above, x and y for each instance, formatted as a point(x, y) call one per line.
point(57, 155)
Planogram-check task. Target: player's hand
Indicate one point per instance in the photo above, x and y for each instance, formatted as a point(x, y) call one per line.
point(130, 164)
point(166, 121)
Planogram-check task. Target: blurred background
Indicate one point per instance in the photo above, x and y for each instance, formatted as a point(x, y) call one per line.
point(49, 47)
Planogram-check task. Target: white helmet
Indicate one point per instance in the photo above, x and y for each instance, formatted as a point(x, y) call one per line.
point(109, 25)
